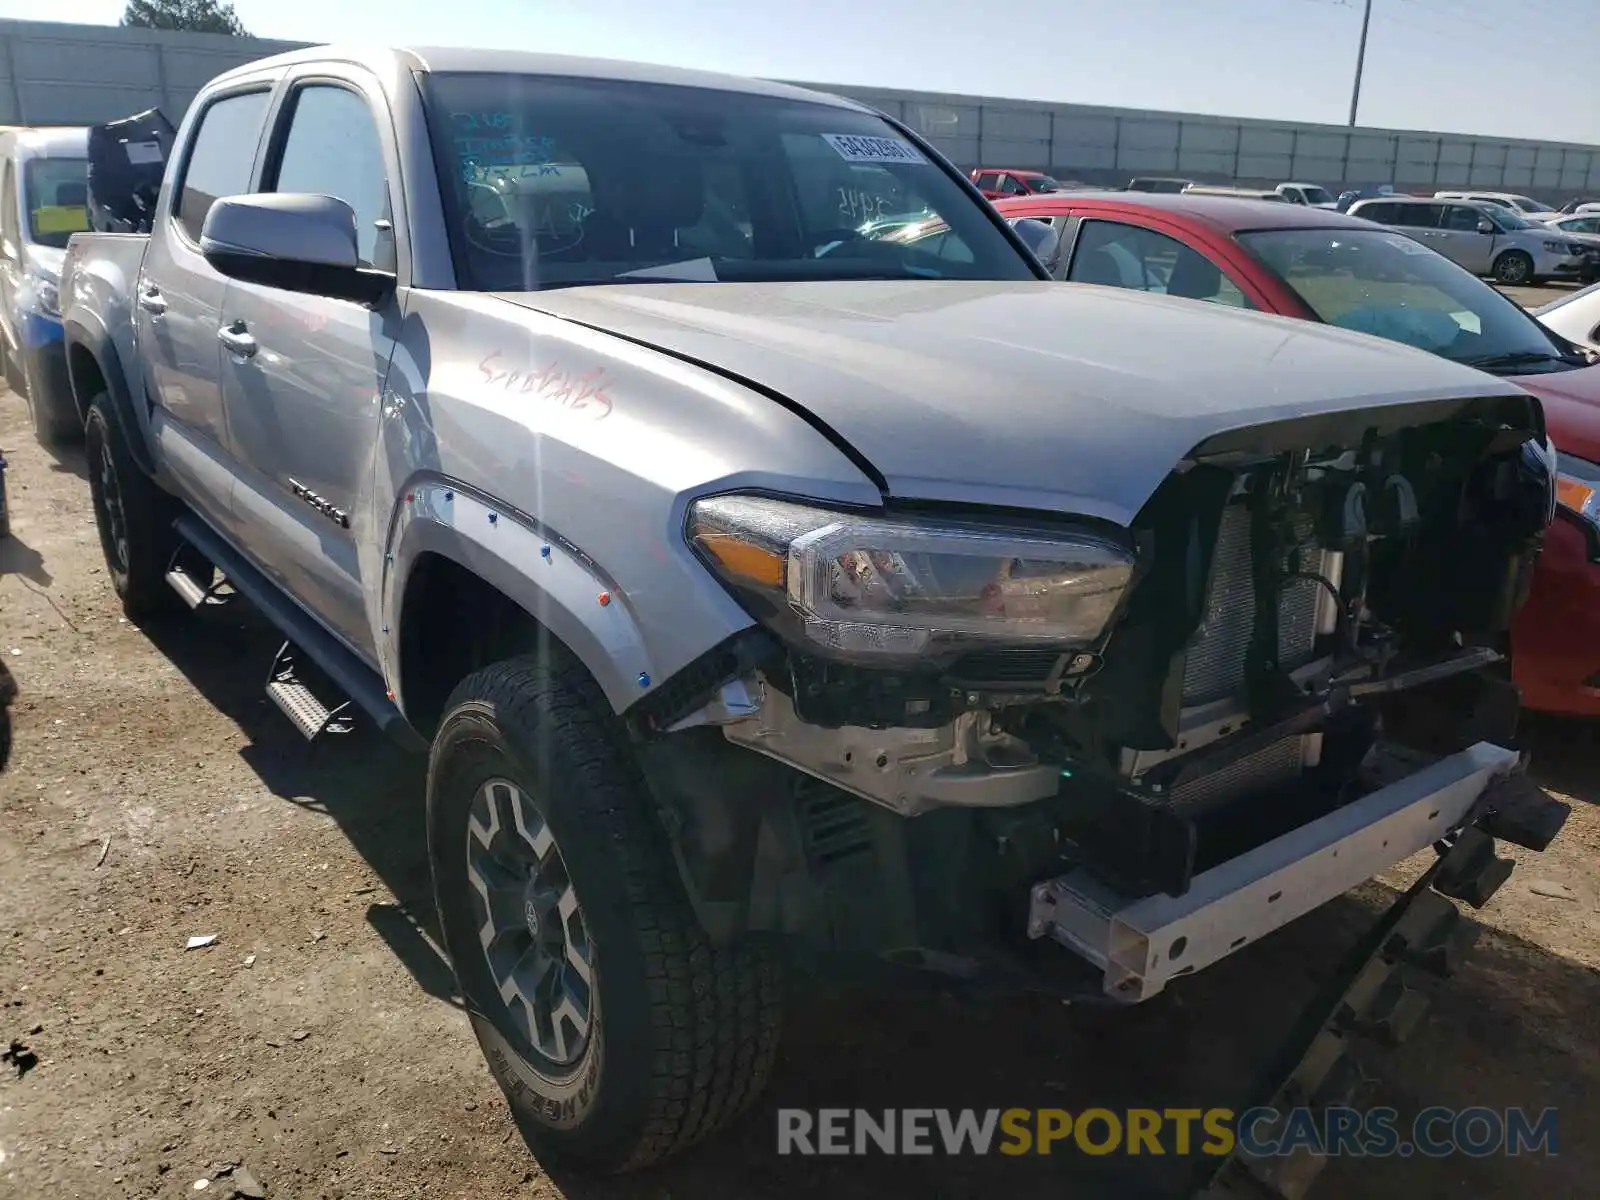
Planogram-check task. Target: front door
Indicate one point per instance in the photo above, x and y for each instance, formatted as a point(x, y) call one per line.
point(179, 300)
point(303, 376)
point(1461, 239)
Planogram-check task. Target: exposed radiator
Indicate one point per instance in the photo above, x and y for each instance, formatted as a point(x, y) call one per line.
point(1266, 768)
point(1216, 654)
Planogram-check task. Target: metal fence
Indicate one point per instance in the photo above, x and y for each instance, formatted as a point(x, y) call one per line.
point(1108, 145)
point(59, 74)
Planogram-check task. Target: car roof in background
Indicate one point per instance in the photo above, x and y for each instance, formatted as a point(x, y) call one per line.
point(53, 141)
point(1225, 214)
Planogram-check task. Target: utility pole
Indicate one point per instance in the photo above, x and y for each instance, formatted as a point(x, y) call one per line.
point(1361, 62)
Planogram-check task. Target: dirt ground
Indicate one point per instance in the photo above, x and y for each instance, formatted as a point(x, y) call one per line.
point(156, 795)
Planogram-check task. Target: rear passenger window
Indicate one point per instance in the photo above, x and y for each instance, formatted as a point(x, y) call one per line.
point(333, 150)
point(1417, 216)
point(220, 160)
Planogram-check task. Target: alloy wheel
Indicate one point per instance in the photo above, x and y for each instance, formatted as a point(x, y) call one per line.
point(531, 928)
point(111, 501)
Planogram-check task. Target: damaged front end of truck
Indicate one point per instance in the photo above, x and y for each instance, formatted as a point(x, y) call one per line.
point(962, 741)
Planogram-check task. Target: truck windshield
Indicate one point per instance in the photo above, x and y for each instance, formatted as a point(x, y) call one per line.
point(58, 199)
point(557, 182)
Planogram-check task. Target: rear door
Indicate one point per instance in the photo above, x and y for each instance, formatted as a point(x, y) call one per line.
point(304, 376)
point(179, 297)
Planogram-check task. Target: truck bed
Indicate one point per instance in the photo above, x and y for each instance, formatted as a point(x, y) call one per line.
point(98, 281)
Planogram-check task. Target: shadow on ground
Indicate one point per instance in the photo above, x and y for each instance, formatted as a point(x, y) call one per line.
point(1205, 1043)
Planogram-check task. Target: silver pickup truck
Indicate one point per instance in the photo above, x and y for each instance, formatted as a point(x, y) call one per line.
point(777, 567)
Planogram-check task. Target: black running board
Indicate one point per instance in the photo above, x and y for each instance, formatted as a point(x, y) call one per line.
point(357, 680)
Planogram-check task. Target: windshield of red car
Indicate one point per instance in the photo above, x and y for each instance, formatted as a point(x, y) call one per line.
point(1387, 284)
point(558, 182)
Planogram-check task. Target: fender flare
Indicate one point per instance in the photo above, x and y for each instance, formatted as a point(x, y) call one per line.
point(97, 343)
point(533, 566)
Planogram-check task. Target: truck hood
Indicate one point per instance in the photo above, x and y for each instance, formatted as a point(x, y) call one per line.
point(1035, 395)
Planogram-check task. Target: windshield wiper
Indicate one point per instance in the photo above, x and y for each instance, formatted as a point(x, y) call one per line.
point(1515, 358)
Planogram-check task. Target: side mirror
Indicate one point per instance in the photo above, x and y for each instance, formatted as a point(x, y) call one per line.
point(1485, 225)
point(294, 241)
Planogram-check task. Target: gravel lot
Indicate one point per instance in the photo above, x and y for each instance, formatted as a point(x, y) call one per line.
point(155, 794)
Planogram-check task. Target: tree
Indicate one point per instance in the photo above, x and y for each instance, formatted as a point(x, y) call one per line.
point(196, 16)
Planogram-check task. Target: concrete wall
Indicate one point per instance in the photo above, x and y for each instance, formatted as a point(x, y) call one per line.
point(55, 74)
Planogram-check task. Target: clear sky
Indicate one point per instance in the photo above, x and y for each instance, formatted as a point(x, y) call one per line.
point(1515, 68)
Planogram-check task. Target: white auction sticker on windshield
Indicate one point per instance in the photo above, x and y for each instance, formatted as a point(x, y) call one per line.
point(864, 148)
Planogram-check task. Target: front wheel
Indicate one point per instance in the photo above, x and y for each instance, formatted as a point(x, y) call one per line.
point(618, 1033)
point(55, 420)
point(1513, 267)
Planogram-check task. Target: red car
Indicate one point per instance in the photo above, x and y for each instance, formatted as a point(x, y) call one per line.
point(995, 182)
point(1325, 266)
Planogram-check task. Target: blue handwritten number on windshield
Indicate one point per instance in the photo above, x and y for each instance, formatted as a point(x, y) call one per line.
point(472, 122)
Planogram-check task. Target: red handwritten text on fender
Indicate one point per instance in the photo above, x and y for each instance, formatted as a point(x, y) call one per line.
point(578, 392)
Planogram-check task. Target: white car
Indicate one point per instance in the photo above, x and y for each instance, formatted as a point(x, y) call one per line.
point(1575, 316)
point(1308, 194)
point(1486, 239)
point(1533, 210)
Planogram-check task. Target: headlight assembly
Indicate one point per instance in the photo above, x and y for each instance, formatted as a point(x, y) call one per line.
point(45, 293)
point(873, 588)
point(1578, 490)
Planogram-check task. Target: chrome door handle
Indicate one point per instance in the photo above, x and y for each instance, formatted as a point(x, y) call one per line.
point(152, 301)
point(237, 340)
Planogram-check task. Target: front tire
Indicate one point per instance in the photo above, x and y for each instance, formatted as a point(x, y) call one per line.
point(134, 517)
point(54, 423)
point(1514, 267)
point(618, 1033)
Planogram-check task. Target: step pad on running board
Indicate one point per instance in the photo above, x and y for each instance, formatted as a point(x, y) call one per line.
point(300, 704)
point(194, 592)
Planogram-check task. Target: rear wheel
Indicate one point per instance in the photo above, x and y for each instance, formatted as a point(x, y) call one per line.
point(134, 517)
point(618, 1033)
point(1513, 267)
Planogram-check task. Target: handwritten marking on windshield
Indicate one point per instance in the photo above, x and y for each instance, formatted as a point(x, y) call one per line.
point(857, 205)
point(584, 392)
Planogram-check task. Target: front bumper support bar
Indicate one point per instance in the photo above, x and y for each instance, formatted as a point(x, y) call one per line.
point(1143, 944)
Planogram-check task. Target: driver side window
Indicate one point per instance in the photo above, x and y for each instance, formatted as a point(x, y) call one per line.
point(333, 149)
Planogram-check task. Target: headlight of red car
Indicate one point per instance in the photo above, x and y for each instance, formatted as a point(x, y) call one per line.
point(1578, 492)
